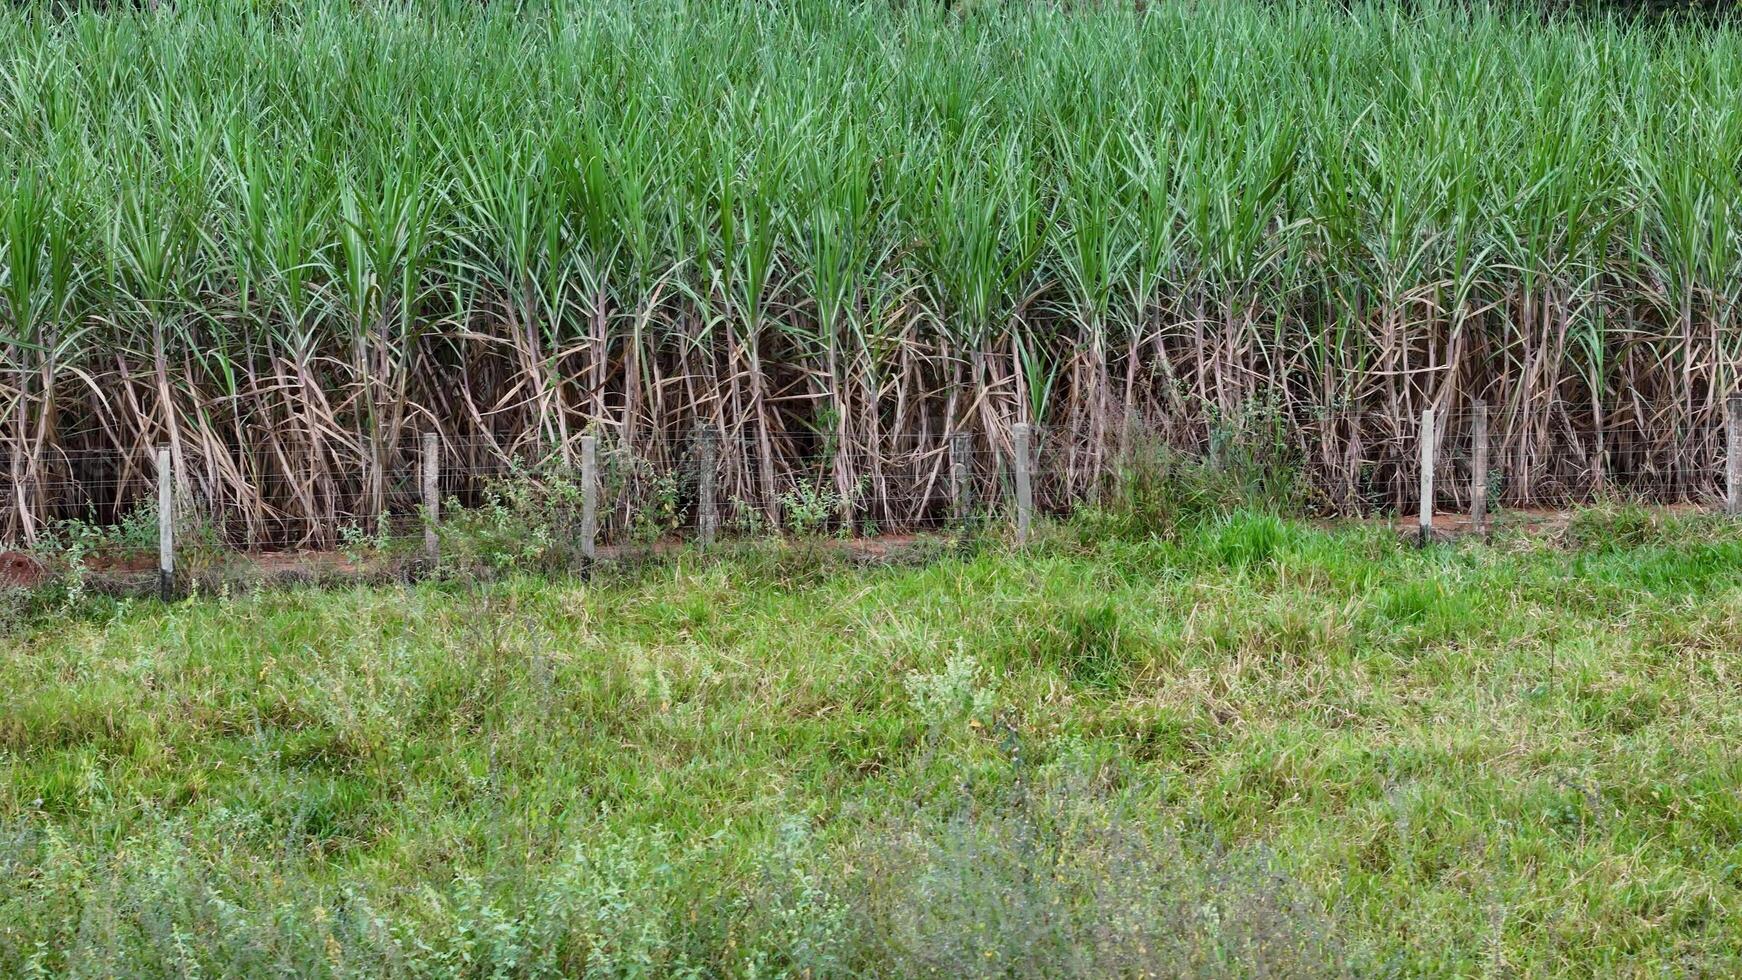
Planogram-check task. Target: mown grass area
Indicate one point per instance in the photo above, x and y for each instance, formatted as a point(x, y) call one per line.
point(1257, 746)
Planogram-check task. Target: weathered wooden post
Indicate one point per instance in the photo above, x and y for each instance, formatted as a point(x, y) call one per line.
point(165, 525)
point(1733, 454)
point(432, 502)
point(1427, 473)
point(961, 477)
point(1479, 466)
point(590, 497)
point(707, 456)
point(1022, 436)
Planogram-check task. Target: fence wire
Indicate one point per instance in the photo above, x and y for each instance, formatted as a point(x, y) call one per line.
point(917, 482)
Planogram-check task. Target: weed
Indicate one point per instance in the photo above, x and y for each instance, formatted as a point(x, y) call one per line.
point(1160, 491)
point(810, 507)
point(1057, 882)
point(1088, 644)
point(528, 520)
point(1612, 525)
point(1258, 747)
point(953, 699)
point(360, 546)
point(658, 516)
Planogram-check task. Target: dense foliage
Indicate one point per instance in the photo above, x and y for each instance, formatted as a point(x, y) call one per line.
point(281, 237)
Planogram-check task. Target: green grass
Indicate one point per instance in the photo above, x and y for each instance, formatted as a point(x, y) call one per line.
point(1261, 745)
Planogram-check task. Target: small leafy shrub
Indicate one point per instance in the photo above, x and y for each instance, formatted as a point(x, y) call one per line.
point(134, 534)
point(362, 547)
point(950, 701)
point(1160, 490)
point(70, 551)
point(614, 905)
point(1060, 881)
point(20, 606)
point(528, 520)
point(797, 924)
point(63, 552)
point(810, 507)
point(659, 514)
point(747, 520)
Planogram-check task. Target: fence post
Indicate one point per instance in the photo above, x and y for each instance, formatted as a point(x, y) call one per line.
point(1427, 473)
point(961, 475)
point(1479, 466)
point(432, 504)
point(1022, 434)
point(165, 526)
point(1733, 454)
point(590, 497)
point(707, 456)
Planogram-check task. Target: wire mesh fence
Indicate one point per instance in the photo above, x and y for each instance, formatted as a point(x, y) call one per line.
point(721, 483)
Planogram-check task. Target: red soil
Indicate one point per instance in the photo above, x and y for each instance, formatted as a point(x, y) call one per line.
point(20, 570)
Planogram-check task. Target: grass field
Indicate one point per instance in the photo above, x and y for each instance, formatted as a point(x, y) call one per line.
point(1259, 746)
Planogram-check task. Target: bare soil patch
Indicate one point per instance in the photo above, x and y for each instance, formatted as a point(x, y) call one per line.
point(19, 570)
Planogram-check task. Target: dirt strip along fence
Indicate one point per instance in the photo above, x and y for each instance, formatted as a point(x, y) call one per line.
point(1439, 468)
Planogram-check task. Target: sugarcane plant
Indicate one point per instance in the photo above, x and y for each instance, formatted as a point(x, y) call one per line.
point(287, 239)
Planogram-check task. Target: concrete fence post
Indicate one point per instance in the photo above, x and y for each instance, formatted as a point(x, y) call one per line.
point(707, 461)
point(430, 461)
point(590, 497)
point(165, 525)
point(1479, 466)
point(1427, 473)
point(961, 477)
point(1023, 437)
point(1733, 455)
